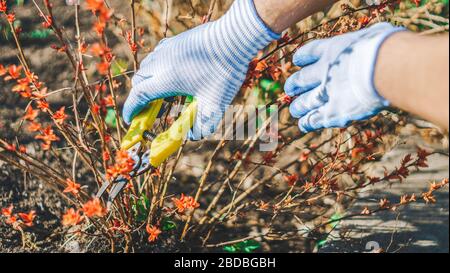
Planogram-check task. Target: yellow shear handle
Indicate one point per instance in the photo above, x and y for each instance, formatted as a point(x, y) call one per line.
point(167, 143)
point(141, 123)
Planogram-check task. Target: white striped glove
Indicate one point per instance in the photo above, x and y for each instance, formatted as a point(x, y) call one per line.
point(209, 62)
point(336, 83)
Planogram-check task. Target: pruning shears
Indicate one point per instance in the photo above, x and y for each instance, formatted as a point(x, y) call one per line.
point(147, 150)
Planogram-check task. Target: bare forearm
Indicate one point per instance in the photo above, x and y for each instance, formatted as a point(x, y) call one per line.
point(412, 73)
point(280, 15)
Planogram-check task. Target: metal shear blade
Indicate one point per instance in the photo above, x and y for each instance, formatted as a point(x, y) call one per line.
point(142, 165)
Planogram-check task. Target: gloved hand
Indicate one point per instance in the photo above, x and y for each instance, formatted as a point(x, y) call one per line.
point(336, 82)
point(209, 62)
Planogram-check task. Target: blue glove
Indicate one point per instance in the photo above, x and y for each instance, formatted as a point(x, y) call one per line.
point(209, 62)
point(336, 82)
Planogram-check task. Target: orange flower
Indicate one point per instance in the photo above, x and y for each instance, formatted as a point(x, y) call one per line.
point(179, 203)
point(274, 70)
point(23, 85)
point(107, 138)
point(32, 78)
point(48, 21)
point(115, 171)
point(103, 68)
point(60, 115)
point(124, 165)
point(429, 197)
point(94, 208)
point(11, 147)
point(101, 88)
point(304, 156)
point(47, 135)
point(11, 17)
point(83, 48)
point(99, 50)
point(106, 156)
point(291, 179)
point(22, 149)
point(384, 203)
point(3, 70)
point(263, 206)
point(98, 7)
point(11, 220)
point(71, 218)
point(41, 94)
point(185, 203)
point(365, 211)
point(153, 233)
point(43, 105)
point(46, 146)
point(31, 114)
point(364, 20)
point(28, 218)
point(3, 6)
point(99, 28)
point(14, 72)
point(108, 101)
point(72, 187)
point(122, 157)
point(34, 126)
point(95, 108)
point(94, 5)
point(8, 211)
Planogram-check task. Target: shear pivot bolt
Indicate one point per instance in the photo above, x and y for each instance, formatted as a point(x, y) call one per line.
point(149, 136)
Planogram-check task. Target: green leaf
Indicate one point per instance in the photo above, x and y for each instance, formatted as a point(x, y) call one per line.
point(169, 225)
point(336, 218)
point(189, 99)
point(141, 208)
point(39, 34)
point(230, 249)
point(270, 86)
point(248, 246)
point(111, 118)
point(118, 67)
point(322, 243)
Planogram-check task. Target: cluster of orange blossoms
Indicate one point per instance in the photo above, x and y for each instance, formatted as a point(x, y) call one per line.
point(428, 196)
point(185, 203)
point(123, 166)
point(20, 219)
point(92, 208)
point(105, 53)
point(406, 199)
point(30, 87)
point(103, 14)
point(48, 136)
point(11, 17)
point(257, 69)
